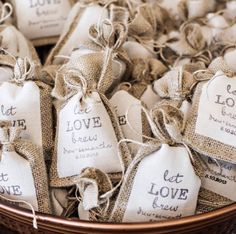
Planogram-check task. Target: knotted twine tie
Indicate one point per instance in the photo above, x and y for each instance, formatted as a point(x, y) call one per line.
point(6, 10)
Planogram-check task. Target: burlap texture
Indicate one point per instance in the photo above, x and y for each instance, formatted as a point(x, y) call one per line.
point(208, 201)
point(20, 66)
point(126, 187)
point(162, 117)
point(10, 140)
point(206, 145)
point(24, 46)
point(178, 83)
point(106, 42)
point(63, 93)
point(101, 184)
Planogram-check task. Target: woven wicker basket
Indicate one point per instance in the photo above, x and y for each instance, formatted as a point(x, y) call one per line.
point(216, 222)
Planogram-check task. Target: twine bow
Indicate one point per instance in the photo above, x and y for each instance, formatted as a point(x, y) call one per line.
point(5, 12)
point(24, 69)
point(109, 35)
point(69, 82)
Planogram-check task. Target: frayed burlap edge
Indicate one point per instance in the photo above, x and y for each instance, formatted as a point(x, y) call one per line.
point(55, 181)
point(63, 39)
point(208, 201)
point(205, 145)
point(123, 197)
point(46, 119)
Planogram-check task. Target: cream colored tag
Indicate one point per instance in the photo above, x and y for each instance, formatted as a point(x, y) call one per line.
point(124, 103)
point(41, 18)
point(216, 112)
point(165, 187)
point(219, 183)
point(86, 138)
point(21, 105)
point(16, 179)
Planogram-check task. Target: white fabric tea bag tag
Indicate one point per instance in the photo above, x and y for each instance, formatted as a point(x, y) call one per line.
point(16, 179)
point(216, 112)
point(123, 102)
point(41, 18)
point(86, 138)
point(21, 105)
point(149, 97)
point(220, 184)
point(165, 187)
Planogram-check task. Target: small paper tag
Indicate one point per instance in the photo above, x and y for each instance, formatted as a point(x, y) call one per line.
point(219, 183)
point(123, 102)
point(216, 112)
point(165, 187)
point(21, 105)
point(16, 179)
point(41, 18)
point(86, 139)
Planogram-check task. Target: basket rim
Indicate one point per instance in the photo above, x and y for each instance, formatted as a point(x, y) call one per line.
point(26, 216)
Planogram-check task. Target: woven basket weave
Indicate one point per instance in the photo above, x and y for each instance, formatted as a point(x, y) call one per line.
point(215, 222)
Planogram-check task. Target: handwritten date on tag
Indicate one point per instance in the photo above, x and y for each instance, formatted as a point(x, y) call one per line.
point(41, 18)
point(216, 112)
point(167, 183)
point(86, 138)
point(223, 183)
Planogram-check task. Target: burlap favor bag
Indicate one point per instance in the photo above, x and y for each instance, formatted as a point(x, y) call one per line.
point(178, 83)
point(41, 21)
point(87, 127)
point(23, 174)
point(82, 16)
point(95, 188)
point(161, 173)
point(13, 40)
point(210, 129)
point(26, 102)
